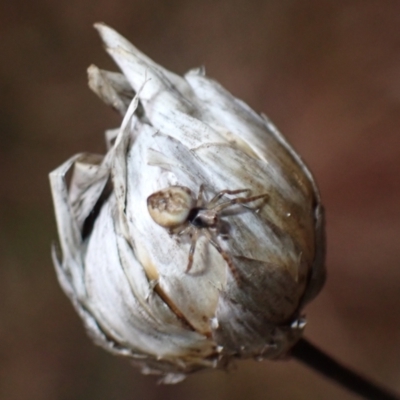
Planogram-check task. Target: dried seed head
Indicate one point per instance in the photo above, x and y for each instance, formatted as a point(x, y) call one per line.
point(252, 248)
point(170, 207)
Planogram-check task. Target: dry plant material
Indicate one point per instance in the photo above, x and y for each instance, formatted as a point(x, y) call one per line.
point(198, 237)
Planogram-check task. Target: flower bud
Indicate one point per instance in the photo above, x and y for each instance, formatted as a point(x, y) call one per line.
point(199, 236)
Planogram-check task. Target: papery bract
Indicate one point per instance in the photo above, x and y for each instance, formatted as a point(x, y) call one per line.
point(126, 273)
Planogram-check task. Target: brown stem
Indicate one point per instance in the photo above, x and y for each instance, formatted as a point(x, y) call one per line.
point(310, 355)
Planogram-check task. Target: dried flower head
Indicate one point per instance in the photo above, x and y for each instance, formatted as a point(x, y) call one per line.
point(198, 238)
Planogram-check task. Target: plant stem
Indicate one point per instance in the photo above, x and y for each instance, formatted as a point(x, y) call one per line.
point(310, 355)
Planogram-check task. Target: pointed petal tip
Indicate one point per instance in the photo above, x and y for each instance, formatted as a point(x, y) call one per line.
point(200, 71)
point(110, 37)
point(92, 69)
point(100, 25)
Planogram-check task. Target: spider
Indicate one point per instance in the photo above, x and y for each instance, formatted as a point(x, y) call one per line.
point(176, 209)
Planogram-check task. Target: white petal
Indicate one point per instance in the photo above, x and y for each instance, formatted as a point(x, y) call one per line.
point(163, 86)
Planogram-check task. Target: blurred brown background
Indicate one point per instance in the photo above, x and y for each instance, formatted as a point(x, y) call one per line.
point(326, 72)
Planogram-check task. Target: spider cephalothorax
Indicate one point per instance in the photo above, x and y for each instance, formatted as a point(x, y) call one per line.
point(176, 208)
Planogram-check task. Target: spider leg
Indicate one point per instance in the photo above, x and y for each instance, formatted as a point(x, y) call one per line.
point(265, 198)
point(192, 249)
point(224, 254)
point(200, 196)
point(223, 192)
point(184, 231)
point(179, 230)
point(239, 200)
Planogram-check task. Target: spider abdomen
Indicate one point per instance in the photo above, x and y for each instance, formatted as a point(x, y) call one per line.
point(171, 207)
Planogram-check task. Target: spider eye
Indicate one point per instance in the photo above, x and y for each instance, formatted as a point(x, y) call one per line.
point(170, 207)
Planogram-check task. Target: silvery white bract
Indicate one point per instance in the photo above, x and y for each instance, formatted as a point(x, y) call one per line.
point(164, 263)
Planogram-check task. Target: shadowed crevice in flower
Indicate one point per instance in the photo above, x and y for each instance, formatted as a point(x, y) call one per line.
point(94, 213)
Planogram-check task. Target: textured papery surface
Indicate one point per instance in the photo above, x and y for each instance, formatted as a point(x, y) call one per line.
point(126, 275)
